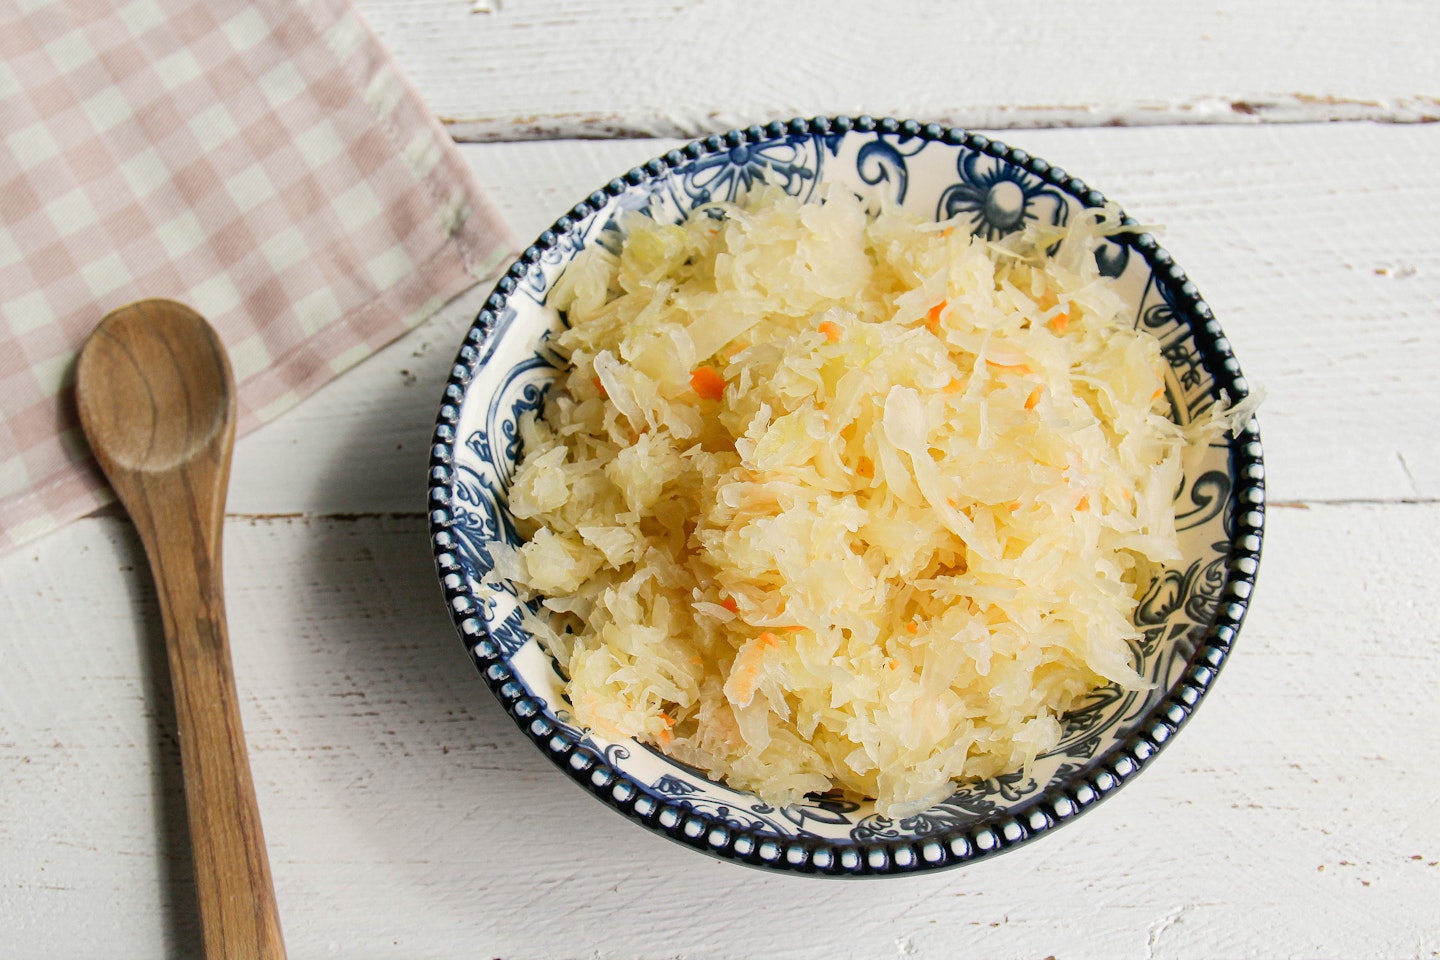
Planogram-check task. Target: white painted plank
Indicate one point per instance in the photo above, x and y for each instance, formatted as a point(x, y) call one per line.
point(1311, 242)
point(408, 818)
point(577, 68)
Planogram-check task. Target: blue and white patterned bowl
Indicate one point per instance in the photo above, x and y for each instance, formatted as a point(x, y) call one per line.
point(1188, 620)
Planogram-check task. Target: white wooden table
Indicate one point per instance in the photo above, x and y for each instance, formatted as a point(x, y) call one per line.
point(1298, 815)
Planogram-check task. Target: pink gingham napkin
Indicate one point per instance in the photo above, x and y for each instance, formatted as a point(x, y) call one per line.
point(260, 160)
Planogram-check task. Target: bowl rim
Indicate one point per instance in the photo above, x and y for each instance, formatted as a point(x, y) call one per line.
point(1047, 808)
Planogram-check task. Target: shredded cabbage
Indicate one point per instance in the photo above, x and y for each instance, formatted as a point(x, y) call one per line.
point(828, 500)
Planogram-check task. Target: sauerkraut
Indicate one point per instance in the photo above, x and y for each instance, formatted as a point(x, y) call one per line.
point(829, 499)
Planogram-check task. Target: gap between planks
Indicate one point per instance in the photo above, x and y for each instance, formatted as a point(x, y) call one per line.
point(358, 517)
point(1208, 111)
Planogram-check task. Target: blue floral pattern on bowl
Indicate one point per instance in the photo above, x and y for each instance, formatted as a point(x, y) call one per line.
point(1188, 620)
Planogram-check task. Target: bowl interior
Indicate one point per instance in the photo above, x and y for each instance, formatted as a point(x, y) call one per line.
point(1188, 618)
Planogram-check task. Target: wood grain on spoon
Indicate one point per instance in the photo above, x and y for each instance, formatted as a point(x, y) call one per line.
point(157, 403)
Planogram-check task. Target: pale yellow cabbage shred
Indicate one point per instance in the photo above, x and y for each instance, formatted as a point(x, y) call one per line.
point(903, 543)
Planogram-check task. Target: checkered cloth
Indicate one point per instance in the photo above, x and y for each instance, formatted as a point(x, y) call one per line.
point(261, 160)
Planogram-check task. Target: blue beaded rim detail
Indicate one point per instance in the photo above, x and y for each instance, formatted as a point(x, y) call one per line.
point(1044, 811)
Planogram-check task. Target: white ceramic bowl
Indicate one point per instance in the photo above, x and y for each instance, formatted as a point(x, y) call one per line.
point(1189, 620)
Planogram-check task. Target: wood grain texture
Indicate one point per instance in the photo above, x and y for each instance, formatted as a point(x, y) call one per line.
point(156, 398)
point(540, 69)
point(408, 818)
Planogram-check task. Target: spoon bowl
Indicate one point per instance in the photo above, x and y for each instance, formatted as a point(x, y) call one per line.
point(142, 362)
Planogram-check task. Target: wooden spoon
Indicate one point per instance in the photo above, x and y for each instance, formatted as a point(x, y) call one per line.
point(157, 402)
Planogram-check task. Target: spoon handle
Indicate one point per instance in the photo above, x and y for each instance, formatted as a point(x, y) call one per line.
point(180, 522)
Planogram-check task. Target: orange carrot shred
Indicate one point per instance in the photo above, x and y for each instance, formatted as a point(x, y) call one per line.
point(831, 331)
point(952, 501)
point(706, 383)
point(954, 386)
point(1084, 503)
point(768, 639)
point(932, 319)
point(1017, 368)
point(1059, 322)
point(1013, 505)
point(947, 231)
point(893, 664)
point(792, 628)
point(729, 604)
point(1156, 395)
point(912, 627)
point(599, 386)
point(1034, 398)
